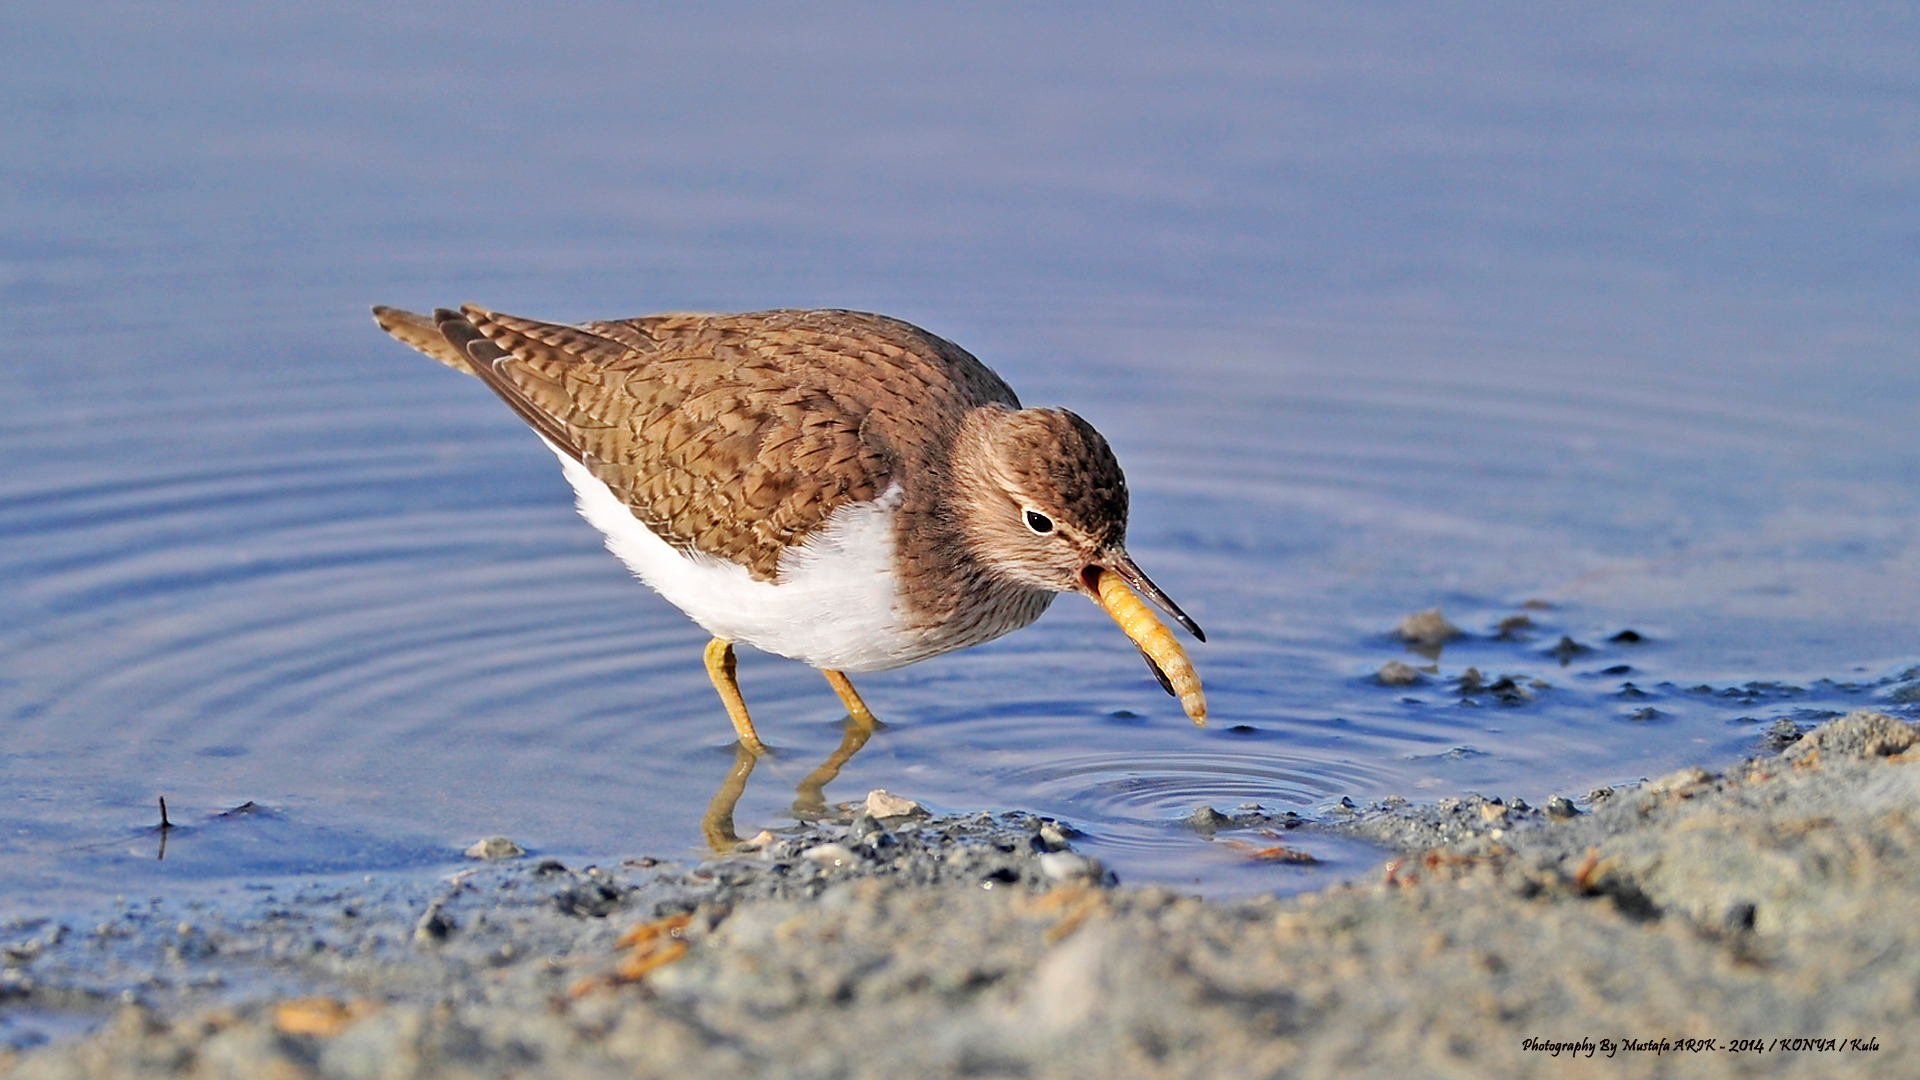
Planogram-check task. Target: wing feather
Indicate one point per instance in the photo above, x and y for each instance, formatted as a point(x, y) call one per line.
point(733, 435)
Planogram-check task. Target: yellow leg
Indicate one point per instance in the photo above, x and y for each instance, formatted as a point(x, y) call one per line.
point(810, 803)
point(720, 668)
point(850, 698)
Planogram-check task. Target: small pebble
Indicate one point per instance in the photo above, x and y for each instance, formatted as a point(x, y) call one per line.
point(829, 855)
point(1560, 808)
point(1512, 627)
point(495, 847)
point(1207, 819)
point(1782, 734)
point(1066, 866)
point(1427, 627)
point(863, 830)
point(1567, 649)
point(1678, 780)
point(433, 926)
point(881, 804)
point(1395, 673)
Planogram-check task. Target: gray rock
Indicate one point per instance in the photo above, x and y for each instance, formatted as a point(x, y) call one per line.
point(881, 805)
point(1427, 627)
point(495, 847)
point(1677, 781)
point(831, 855)
point(1397, 673)
point(1066, 866)
point(1862, 734)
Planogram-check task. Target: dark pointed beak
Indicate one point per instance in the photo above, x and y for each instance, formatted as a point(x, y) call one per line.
point(1121, 563)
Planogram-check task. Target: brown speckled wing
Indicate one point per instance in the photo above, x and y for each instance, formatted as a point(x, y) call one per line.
point(736, 435)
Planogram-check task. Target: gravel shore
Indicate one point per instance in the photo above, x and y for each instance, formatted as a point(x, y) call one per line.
point(1641, 934)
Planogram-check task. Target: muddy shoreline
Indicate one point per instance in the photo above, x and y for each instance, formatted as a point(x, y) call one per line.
point(1775, 899)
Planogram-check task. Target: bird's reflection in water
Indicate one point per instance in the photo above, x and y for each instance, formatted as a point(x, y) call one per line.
point(810, 795)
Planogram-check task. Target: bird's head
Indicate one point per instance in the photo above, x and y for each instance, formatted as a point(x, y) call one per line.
point(1043, 503)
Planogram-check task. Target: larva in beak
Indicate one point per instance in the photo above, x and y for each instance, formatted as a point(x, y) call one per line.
point(1155, 641)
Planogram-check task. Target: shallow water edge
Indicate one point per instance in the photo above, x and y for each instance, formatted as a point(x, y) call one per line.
point(1776, 894)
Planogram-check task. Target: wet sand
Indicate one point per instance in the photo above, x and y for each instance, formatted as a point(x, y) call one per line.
point(1777, 899)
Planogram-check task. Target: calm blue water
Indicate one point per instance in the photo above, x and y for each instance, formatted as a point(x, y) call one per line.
point(1382, 309)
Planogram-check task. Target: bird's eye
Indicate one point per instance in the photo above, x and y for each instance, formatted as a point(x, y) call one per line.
point(1039, 522)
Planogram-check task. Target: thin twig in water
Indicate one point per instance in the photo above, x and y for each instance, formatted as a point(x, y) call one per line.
point(165, 825)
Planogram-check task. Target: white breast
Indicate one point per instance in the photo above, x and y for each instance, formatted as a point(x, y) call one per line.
point(835, 605)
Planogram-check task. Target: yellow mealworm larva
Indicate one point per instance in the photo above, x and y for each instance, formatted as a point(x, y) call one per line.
point(1156, 641)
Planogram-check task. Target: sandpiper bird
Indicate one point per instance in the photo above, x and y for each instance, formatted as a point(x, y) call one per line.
point(844, 489)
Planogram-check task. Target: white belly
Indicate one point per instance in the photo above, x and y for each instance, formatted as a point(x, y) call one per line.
point(835, 605)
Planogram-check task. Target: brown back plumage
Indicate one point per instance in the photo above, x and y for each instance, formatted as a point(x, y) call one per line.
point(731, 435)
